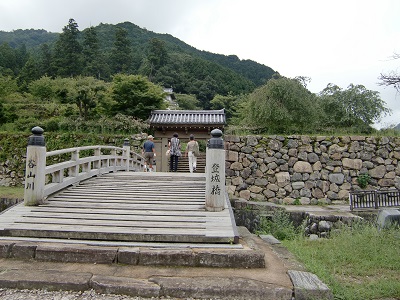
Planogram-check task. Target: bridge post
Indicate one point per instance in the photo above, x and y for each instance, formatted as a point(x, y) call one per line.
point(127, 153)
point(35, 168)
point(215, 172)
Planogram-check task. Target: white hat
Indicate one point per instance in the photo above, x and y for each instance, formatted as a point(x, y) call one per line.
point(150, 137)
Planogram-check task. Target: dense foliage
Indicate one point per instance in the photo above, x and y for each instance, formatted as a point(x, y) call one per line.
point(105, 50)
point(284, 105)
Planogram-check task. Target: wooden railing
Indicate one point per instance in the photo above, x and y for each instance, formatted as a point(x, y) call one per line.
point(49, 172)
point(94, 163)
point(374, 199)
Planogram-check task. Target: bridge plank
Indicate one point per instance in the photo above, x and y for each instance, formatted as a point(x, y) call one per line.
point(121, 211)
point(126, 206)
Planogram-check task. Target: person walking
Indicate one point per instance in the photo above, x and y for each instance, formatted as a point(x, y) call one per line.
point(174, 147)
point(192, 151)
point(149, 153)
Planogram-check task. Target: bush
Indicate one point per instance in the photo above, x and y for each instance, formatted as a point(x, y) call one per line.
point(363, 180)
point(279, 225)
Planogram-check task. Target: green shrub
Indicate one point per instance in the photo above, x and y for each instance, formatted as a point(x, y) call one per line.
point(279, 225)
point(363, 180)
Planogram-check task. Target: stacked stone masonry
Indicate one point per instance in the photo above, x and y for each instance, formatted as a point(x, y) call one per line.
point(309, 170)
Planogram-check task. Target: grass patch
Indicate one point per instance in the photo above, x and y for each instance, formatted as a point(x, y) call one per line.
point(11, 192)
point(356, 263)
point(279, 225)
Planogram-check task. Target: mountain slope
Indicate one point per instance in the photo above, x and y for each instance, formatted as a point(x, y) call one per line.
point(257, 73)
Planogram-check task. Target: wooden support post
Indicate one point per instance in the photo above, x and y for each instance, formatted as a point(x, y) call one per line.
point(127, 153)
point(35, 168)
point(74, 171)
point(215, 172)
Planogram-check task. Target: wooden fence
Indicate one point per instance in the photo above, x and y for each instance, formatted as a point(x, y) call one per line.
point(374, 199)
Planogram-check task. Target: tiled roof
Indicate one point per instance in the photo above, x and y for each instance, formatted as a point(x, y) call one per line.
point(187, 117)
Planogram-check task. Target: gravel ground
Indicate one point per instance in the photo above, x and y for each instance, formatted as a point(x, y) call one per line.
point(11, 294)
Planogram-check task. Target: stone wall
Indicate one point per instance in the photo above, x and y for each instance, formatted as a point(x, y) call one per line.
point(308, 170)
point(8, 202)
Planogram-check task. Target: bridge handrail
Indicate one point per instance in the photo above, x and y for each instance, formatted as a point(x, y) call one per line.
point(42, 180)
point(82, 148)
point(69, 172)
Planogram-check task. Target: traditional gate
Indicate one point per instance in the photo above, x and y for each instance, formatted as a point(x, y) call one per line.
point(184, 122)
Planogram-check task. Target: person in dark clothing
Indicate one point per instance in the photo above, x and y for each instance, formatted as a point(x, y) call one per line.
point(149, 153)
point(174, 147)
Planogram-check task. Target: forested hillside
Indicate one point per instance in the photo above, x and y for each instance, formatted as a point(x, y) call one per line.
point(107, 49)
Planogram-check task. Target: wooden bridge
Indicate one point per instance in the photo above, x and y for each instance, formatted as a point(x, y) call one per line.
point(106, 197)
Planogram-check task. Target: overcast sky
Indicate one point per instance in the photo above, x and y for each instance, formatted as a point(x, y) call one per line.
point(330, 41)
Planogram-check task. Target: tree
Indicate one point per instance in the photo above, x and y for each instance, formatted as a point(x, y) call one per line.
point(28, 73)
point(68, 51)
point(22, 56)
point(121, 54)
point(186, 101)
point(392, 78)
point(157, 56)
point(42, 88)
point(3, 117)
point(8, 60)
point(304, 80)
point(229, 103)
point(91, 54)
point(282, 105)
point(86, 93)
point(8, 85)
point(45, 61)
point(136, 96)
point(354, 107)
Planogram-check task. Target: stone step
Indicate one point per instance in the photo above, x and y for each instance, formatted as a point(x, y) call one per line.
point(128, 253)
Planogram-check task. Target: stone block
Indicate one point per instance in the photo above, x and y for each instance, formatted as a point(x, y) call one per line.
point(5, 248)
point(125, 286)
point(388, 216)
point(270, 239)
point(23, 250)
point(50, 279)
point(230, 259)
point(220, 288)
point(163, 257)
point(128, 255)
point(308, 286)
point(76, 253)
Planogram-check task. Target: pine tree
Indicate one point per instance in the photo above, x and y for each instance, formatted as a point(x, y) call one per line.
point(45, 61)
point(68, 51)
point(93, 59)
point(121, 55)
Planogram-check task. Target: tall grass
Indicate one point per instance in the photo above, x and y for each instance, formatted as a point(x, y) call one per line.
point(12, 192)
point(356, 263)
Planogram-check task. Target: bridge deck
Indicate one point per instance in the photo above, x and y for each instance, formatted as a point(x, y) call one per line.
point(126, 206)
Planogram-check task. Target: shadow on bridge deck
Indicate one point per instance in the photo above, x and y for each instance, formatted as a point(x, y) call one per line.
point(126, 206)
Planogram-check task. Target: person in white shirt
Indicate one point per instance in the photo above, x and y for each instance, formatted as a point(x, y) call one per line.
point(192, 151)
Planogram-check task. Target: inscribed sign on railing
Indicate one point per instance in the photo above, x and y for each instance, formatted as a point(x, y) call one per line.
point(215, 173)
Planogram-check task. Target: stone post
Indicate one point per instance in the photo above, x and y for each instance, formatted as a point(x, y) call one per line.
point(35, 168)
point(127, 153)
point(215, 172)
